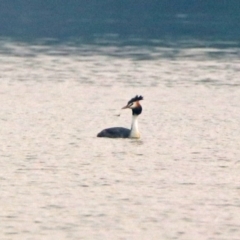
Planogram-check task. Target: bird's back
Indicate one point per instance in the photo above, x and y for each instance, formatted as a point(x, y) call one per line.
point(115, 132)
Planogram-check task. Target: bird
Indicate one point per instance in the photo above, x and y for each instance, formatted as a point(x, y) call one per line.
point(121, 132)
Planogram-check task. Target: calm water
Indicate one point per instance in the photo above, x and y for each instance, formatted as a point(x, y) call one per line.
point(179, 181)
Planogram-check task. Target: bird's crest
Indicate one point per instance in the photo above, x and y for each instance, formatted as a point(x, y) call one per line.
point(137, 98)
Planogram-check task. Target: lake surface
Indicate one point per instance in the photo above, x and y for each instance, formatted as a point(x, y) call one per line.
point(179, 181)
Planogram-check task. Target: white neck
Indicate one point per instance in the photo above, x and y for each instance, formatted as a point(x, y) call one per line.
point(134, 129)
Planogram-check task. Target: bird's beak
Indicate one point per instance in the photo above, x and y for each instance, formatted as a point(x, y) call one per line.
point(125, 107)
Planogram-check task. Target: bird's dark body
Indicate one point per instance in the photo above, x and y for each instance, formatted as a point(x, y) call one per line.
point(115, 132)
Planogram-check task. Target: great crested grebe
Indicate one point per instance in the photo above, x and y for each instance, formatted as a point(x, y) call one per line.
point(120, 132)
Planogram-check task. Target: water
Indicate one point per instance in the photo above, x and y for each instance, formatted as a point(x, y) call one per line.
point(90, 20)
point(179, 181)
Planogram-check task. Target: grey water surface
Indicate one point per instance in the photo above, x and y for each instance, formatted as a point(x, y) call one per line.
point(179, 181)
